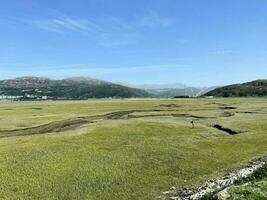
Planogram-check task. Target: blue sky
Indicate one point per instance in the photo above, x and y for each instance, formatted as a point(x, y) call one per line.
point(196, 42)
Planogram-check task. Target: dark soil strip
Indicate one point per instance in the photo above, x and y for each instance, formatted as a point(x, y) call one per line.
point(191, 116)
point(69, 124)
point(72, 124)
point(247, 112)
point(171, 105)
point(36, 108)
point(228, 108)
point(46, 128)
point(215, 103)
point(227, 130)
point(227, 114)
point(151, 115)
point(64, 125)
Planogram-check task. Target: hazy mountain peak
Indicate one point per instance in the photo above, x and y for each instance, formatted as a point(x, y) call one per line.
point(154, 86)
point(87, 80)
point(80, 78)
point(31, 78)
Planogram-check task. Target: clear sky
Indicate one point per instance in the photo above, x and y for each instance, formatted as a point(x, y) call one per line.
point(196, 42)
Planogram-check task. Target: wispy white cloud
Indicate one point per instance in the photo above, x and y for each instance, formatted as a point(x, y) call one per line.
point(106, 25)
point(112, 32)
point(69, 24)
point(107, 31)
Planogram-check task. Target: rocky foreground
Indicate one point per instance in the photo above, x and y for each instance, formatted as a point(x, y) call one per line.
point(217, 188)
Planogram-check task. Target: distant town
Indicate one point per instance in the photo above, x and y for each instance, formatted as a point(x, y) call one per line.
point(21, 98)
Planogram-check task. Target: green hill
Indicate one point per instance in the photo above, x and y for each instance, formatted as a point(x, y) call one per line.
point(256, 88)
point(34, 88)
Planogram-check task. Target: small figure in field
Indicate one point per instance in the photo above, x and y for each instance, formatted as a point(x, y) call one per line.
point(192, 123)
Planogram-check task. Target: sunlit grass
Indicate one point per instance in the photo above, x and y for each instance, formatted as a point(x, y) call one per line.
point(136, 158)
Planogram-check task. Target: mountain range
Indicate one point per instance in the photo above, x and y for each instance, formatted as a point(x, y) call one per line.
point(32, 88)
point(81, 88)
point(171, 90)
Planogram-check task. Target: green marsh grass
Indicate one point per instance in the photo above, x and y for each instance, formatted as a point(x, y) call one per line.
point(135, 158)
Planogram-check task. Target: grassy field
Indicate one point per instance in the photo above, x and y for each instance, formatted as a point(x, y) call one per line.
point(124, 149)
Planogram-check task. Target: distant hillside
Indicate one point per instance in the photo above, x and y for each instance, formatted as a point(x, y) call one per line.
point(33, 88)
point(187, 91)
point(171, 90)
point(256, 88)
point(160, 86)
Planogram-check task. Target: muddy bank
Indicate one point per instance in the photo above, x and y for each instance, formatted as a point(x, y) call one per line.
point(228, 107)
point(64, 125)
point(74, 123)
point(227, 114)
point(171, 105)
point(227, 130)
